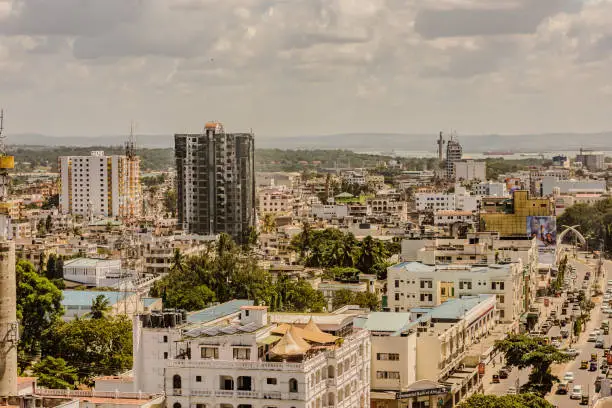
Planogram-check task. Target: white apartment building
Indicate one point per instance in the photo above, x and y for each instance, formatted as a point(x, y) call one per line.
point(550, 184)
point(491, 189)
point(100, 185)
point(95, 272)
point(468, 170)
point(355, 177)
point(158, 252)
point(460, 200)
point(232, 356)
point(329, 211)
point(277, 201)
point(414, 284)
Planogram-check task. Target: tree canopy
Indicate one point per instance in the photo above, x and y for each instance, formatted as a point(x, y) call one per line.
point(507, 401)
point(594, 220)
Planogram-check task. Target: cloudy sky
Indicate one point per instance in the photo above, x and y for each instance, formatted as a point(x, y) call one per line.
point(300, 67)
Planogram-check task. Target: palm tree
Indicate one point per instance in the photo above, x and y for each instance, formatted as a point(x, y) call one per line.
point(178, 261)
point(269, 223)
point(99, 307)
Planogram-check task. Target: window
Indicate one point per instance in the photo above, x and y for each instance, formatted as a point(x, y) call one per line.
point(198, 378)
point(387, 356)
point(165, 339)
point(388, 375)
point(397, 295)
point(501, 298)
point(397, 283)
point(443, 291)
point(293, 385)
point(426, 297)
point(165, 355)
point(271, 381)
point(210, 353)
point(176, 381)
point(241, 353)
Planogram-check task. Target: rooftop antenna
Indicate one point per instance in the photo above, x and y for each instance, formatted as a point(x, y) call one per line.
point(129, 145)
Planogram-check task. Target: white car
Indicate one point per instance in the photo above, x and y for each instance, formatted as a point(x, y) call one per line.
point(606, 297)
point(511, 391)
point(592, 338)
point(576, 392)
point(596, 332)
point(569, 376)
point(572, 352)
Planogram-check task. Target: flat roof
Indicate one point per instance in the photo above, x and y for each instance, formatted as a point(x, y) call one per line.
point(383, 321)
point(217, 311)
point(86, 297)
point(90, 262)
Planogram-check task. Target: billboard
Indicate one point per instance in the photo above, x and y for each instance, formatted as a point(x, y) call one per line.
point(544, 229)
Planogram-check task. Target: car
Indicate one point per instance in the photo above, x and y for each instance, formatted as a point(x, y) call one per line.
point(592, 338)
point(606, 297)
point(503, 374)
point(596, 331)
point(599, 343)
point(576, 392)
point(511, 391)
point(563, 387)
point(557, 343)
point(569, 376)
point(572, 352)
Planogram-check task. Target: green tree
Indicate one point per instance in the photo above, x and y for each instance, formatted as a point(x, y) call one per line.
point(169, 201)
point(54, 373)
point(38, 307)
point(96, 346)
point(523, 351)
point(100, 306)
point(269, 224)
point(372, 252)
point(367, 300)
point(506, 401)
point(49, 223)
point(343, 297)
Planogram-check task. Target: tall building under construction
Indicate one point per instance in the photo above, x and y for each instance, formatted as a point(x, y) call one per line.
point(216, 182)
point(454, 153)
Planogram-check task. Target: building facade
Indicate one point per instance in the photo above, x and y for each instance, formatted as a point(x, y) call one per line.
point(216, 182)
point(100, 185)
point(454, 153)
point(469, 170)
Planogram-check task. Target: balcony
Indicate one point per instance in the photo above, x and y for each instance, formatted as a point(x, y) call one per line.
point(268, 395)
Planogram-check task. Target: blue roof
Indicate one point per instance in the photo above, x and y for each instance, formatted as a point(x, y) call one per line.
point(149, 301)
point(384, 321)
point(86, 297)
point(452, 308)
point(215, 312)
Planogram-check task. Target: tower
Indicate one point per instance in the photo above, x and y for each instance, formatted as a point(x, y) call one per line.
point(215, 178)
point(454, 152)
point(441, 146)
point(8, 293)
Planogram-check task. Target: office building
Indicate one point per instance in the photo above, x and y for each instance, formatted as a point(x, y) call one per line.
point(469, 170)
point(454, 153)
point(216, 182)
point(591, 160)
point(491, 189)
point(100, 186)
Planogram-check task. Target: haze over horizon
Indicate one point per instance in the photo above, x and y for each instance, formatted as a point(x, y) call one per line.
point(305, 67)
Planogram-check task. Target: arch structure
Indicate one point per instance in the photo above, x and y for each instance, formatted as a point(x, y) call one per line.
point(567, 230)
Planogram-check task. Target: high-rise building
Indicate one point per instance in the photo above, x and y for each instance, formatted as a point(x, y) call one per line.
point(454, 152)
point(591, 160)
point(216, 182)
point(100, 185)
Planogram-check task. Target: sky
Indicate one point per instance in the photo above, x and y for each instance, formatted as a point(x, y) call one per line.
point(306, 67)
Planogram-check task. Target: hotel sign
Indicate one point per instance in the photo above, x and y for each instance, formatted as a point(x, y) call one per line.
point(424, 392)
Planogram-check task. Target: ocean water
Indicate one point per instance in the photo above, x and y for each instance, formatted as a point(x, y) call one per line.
point(468, 155)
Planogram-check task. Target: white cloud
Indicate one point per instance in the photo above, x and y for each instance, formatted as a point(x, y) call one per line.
point(305, 66)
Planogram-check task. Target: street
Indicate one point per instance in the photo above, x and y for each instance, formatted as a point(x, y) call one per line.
point(582, 377)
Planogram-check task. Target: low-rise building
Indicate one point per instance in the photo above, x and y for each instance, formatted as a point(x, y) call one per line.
point(329, 211)
point(235, 355)
point(158, 252)
point(77, 303)
point(95, 272)
point(450, 217)
point(550, 184)
point(469, 170)
point(491, 189)
point(414, 284)
point(276, 201)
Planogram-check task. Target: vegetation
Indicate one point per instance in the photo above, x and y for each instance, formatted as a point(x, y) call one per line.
point(524, 351)
point(99, 307)
point(506, 401)
point(498, 166)
point(366, 300)
point(69, 352)
point(594, 220)
point(331, 248)
point(227, 272)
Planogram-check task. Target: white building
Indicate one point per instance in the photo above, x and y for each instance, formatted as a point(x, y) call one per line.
point(450, 217)
point(100, 185)
point(549, 184)
point(491, 189)
point(468, 170)
point(77, 303)
point(460, 200)
point(355, 177)
point(233, 356)
point(414, 284)
point(329, 211)
point(95, 272)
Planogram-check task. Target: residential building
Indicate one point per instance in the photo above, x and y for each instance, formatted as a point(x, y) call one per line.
point(561, 160)
point(237, 355)
point(355, 177)
point(470, 170)
point(390, 208)
point(414, 284)
point(329, 211)
point(454, 153)
point(591, 160)
point(95, 272)
point(491, 189)
point(461, 200)
point(276, 201)
point(158, 252)
point(450, 217)
point(100, 186)
point(216, 182)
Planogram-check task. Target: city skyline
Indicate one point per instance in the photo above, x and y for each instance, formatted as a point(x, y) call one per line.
point(305, 68)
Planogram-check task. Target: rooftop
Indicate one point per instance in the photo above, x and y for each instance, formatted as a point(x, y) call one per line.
point(383, 321)
point(217, 311)
point(86, 297)
point(419, 267)
point(91, 262)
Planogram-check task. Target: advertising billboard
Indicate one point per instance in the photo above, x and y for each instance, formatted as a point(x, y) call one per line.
point(544, 229)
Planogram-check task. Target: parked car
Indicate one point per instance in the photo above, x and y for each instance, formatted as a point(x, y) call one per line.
point(572, 352)
point(503, 374)
point(563, 387)
point(569, 376)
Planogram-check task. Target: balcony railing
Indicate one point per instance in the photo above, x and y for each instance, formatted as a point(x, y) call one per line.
point(268, 395)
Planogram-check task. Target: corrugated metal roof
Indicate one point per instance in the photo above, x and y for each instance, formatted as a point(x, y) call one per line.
point(215, 312)
point(383, 321)
point(90, 262)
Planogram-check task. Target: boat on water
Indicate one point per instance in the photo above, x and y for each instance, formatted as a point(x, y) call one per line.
point(502, 153)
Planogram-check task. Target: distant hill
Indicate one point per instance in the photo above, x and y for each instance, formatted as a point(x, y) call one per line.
point(357, 141)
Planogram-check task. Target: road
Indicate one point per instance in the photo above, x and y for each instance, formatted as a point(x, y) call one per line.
point(582, 377)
